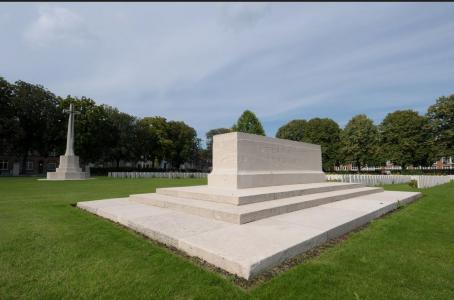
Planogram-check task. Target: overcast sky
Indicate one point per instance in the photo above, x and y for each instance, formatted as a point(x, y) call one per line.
point(206, 63)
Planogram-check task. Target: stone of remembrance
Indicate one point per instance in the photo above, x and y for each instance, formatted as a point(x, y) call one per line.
point(247, 161)
point(267, 200)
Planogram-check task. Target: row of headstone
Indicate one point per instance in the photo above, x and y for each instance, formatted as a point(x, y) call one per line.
point(423, 181)
point(157, 174)
point(430, 181)
point(371, 180)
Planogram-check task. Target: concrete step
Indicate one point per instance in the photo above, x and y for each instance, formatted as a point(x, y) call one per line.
point(251, 212)
point(253, 195)
point(247, 250)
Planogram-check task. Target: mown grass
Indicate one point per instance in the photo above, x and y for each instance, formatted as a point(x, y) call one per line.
point(49, 249)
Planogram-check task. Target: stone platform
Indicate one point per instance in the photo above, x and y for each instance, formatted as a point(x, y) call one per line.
point(68, 169)
point(246, 231)
point(241, 214)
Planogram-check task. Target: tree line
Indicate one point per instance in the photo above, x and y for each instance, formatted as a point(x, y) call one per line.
point(32, 121)
point(404, 137)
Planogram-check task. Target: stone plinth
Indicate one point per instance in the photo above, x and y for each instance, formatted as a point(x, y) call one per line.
point(242, 160)
point(68, 169)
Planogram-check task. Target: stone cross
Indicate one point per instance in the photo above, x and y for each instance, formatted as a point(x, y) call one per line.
point(70, 135)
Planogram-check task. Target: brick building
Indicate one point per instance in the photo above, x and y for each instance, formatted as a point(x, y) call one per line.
point(35, 165)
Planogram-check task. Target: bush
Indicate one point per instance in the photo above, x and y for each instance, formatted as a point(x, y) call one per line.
point(413, 183)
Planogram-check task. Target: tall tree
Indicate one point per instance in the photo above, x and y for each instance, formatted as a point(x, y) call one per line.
point(249, 123)
point(359, 141)
point(125, 132)
point(293, 130)
point(326, 133)
point(441, 120)
point(38, 113)
point(184, 143)
point(159, 140)
point(9, 124)
point(405, 138)
point(145, 142)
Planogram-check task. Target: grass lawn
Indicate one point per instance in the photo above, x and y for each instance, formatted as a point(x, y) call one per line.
point(49, 249)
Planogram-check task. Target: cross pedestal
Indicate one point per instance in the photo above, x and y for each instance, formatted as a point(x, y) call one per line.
point(69, 163)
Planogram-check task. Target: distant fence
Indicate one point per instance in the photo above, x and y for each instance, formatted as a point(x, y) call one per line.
point(423, 181)
point(157, 174)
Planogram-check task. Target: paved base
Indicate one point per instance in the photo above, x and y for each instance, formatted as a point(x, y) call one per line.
point(254, 195)
point(248, 249)
point(45, 179)
point(67, 176)
point(68, 169)
point(242, 214)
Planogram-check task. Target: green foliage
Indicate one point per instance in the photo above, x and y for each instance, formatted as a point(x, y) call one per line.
point(326, 133)
point(32, 121)
point(249, 123)
point(293, 130)
point(38, 114)
point(413, 183)
point(359, 141)
point(146, 142)
point(9, 124)
point(441, 121)
point(404, 138)
point(173, 141)
point(184, 144)
point(158, 131)
point(126, 129)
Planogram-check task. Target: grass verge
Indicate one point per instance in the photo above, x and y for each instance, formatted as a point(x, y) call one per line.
point(48, 249)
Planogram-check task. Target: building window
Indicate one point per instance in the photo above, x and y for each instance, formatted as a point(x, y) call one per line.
point(51, 167)
point(3, 165)
point(29, 165)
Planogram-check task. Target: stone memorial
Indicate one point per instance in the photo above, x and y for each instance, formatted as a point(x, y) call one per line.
point(242, 160)
point(68, 168)
point(267, 200)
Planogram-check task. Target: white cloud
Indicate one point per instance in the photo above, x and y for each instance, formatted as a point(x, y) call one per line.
point(57, 26)
point(205, 63)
